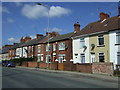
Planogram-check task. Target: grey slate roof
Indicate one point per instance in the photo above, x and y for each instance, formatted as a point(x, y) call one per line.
point(32, 42)
point(5, 50)
point(61, 37)
point(110, 24)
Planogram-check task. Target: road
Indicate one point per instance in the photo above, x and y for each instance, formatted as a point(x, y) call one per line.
point(33, 78)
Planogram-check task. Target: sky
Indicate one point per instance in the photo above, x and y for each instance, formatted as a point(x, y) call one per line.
point(20, 19)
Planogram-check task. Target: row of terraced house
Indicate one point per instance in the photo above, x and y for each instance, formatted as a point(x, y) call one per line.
point(96, 46)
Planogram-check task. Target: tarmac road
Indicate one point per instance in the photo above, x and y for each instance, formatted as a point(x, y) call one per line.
point(33, 78)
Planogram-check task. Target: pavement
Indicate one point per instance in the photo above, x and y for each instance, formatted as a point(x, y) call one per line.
point(110, 78)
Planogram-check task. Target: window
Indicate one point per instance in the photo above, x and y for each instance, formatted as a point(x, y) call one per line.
point(39, 48)
point(118, 58)
point(118, 37)
point(82, 56)
point(101, 57)
point(100, 40)
point(82, 42)
point(54, 47)
point(39, 58)
point(48, 47)
point(48, 58)
point(32, 48)
point(61, 58)
point(62, 46)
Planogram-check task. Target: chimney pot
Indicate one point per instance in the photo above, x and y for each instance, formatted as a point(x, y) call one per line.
point(39, 35)
point(76, 27)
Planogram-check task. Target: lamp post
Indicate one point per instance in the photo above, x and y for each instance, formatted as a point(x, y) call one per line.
point(48, 27)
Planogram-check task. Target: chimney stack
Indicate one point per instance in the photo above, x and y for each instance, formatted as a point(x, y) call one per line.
point(39, 35)
point(5, 46)
point(76, 27)
point(54, 34)
point(15, 43)
point(27, 38)
point(22, 40)
point(103, 16)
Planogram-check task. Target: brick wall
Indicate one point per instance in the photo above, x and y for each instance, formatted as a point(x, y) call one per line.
point(87, 68)
point(32, 64)
point(69, 66)
point(43, 65)
point(24, 64)
point(103, 68)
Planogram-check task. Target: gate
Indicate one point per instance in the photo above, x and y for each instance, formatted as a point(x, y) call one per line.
point(60, 66)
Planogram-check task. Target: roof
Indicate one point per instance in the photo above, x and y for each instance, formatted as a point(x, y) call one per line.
point(61, 37)
point(109, 24)
point(32, 42)
point(5, 50)
point(17, 45)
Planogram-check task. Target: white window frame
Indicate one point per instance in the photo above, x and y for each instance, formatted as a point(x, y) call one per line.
point(60, 46)
point(48, 47)
point(61, 56)
point(99, 55)
point(118, 54)
point(54, 47)
point(82, 41)
point(38, 58)
point(48, 61)
point(82, 55)
point(39, 48)
point(117, 35)
point(102, 36)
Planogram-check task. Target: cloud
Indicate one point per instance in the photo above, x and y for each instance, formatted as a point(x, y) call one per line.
point(4, 10)
point(33, 36)
point(10, 20)
point(12, 39)
point(35, 12)
point(58, 11)
point(53, 29)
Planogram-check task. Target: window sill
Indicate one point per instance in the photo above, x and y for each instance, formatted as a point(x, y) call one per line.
point(62, 50)
point(101, 46)
point(117, 44)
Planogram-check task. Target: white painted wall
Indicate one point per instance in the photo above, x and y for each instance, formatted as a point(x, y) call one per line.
point(79, 51)
point(5, 56)
point(24, 52)
point(19, 52)
point(113, 48)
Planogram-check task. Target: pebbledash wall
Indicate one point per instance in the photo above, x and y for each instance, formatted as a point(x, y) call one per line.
point(78, 50)
point(114, 48)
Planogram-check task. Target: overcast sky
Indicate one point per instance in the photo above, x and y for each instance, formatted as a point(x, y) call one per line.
point(28, 19)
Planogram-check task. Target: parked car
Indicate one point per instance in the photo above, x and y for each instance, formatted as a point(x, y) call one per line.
point(11, 64)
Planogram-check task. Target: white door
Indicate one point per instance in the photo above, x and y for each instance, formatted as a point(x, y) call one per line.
point(92, 58)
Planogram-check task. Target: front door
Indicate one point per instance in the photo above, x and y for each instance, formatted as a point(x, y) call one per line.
point(93, 57)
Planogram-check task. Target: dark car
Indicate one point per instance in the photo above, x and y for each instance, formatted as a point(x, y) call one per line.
point(11, 65)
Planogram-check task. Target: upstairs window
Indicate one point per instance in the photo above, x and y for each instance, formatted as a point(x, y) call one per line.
point(100, 40)
point(39, 48)
point(118, 37)
point(48, 47)
point(101, 57)
point(54, 47)
point(62, 46)
point(82, 42)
